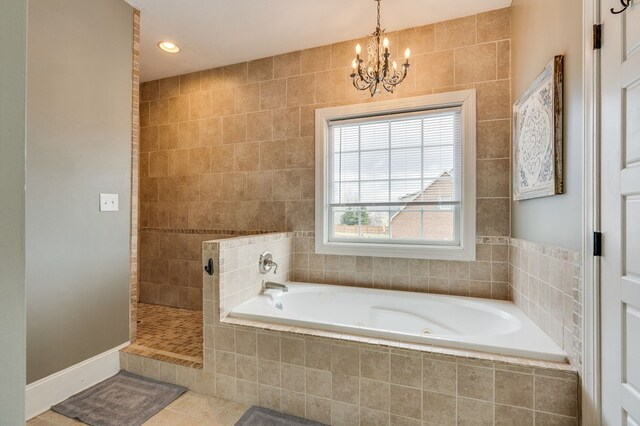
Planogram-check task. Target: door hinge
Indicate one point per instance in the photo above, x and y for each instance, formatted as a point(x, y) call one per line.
point(597, 36)
point(597, 243)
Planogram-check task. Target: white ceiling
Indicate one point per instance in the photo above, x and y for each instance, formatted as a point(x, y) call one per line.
point(212, 33)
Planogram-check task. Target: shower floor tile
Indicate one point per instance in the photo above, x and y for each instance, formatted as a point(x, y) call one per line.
point(169, 334)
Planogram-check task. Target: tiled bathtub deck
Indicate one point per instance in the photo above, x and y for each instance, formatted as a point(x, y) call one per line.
point(169, 334)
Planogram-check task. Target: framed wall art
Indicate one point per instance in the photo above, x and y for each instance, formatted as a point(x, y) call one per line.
point(538, 135)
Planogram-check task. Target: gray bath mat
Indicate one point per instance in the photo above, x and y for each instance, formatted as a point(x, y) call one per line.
point(124, 399)
point(258, 416)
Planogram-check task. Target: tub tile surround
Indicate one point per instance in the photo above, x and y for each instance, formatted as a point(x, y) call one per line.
point(345, 379)
point(546, 284)
point(232, 149)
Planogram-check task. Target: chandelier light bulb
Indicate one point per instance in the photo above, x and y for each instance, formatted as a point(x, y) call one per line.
point(395, 65)
point(353, 64)
point(358, 49)
point(385, 42)
point(407, 53)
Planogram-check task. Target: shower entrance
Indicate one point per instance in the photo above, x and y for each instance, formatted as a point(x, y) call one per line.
point(168, 305)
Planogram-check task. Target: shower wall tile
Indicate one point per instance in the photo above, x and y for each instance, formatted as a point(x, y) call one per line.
point(546, 283)
point(170, 268)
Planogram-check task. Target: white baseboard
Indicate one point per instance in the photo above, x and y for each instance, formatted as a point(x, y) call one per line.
point(44, 393)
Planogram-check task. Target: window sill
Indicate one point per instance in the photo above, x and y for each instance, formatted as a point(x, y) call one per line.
point(410, 251)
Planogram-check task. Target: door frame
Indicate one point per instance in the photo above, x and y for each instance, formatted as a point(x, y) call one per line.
point(591, 370)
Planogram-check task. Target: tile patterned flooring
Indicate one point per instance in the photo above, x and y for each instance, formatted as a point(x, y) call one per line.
point(191, 409)
point(169, 334)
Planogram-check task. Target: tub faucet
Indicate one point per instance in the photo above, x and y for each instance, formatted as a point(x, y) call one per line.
point(271, 285)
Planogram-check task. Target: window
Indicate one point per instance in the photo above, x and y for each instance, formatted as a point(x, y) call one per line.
point(397, 178)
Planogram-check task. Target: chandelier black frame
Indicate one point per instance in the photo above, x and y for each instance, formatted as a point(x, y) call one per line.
point(378, 72)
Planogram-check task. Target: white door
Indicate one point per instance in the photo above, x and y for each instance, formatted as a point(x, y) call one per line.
point(620, 214)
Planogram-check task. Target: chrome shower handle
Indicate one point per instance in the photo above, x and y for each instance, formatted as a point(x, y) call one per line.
point(266, 263)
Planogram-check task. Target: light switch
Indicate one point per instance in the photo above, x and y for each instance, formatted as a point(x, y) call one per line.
point(108, 202)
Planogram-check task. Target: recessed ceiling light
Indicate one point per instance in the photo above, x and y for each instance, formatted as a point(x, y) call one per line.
point(168, 47)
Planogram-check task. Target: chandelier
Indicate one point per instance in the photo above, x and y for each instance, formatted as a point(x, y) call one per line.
point(376, 71)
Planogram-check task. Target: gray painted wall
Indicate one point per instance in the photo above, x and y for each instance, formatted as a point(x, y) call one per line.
point(12, 306)
point(79, 144)
point(540, 30)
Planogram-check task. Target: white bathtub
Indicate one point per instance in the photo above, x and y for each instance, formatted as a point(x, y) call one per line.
point(449, 321)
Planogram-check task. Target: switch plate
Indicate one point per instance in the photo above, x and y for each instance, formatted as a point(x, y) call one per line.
point(108, 202)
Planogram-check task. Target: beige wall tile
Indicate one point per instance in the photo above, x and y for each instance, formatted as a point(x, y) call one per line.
point(247, 98)
point(493, 100)
point(318, 409)
point(158, 112)
point(273, 94)
point(247, 157)
point(405, 401)
point(210, 132)
point(259, 126)
point(374, 394)
point(292, 377)
point(286, 65)
point(260, 70)
point(476, 63)
point(555, 396)
point(292, 351)
point(474, 412)
point(212, 79)
point(419, 39)
point(506, 415)
point(318, 382)
point(345, 360)
point(200, 105)
point(504, 59)
point(439, 408)
point(493, 178)
point(168, 136)
point(475, 382)
point(406, 370)
point(169, 87)
point(178, 109)
point(456, 33)
point(493, 216)
point(343, 414)
point(434, 70)
point(235, 75)
point(300, 90)
point(315, 59)
point(494, 25)
point(188, 134)
point(345, 388)
point(271, 156)
point(149, 91)
point(439, 376)
point(494, 139)
point(514, 389)
point(234, 129)
point(222, 101)
point(189, 83)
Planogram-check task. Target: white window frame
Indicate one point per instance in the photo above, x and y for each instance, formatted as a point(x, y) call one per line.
point(466, 249)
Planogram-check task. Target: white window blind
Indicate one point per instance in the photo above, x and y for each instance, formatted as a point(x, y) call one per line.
point(396, 177)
